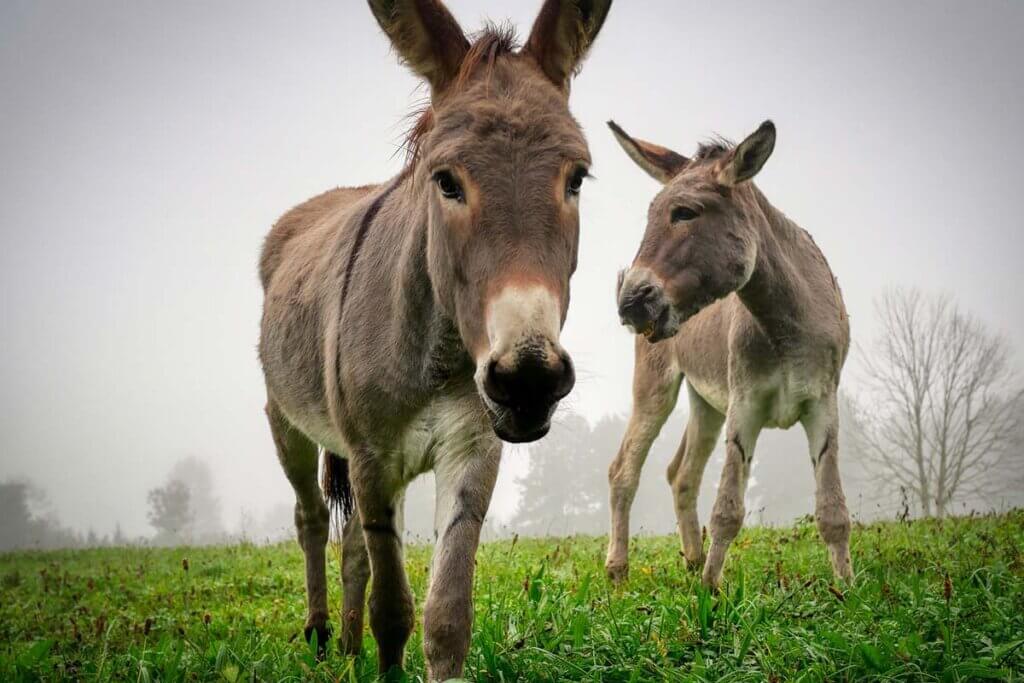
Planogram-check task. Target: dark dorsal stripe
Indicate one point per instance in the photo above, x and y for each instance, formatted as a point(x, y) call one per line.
point(357, 243)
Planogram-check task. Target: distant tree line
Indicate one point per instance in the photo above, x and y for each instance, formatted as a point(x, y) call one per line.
point(936, 428)
point(26, 522)
point(183, 511)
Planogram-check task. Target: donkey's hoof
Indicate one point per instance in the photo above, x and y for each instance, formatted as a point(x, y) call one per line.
point(617, 571)
point(696, 565)
point(711, 581)
point(844, 573)
point(713, 587)
point(323, 634)
point(350, 646)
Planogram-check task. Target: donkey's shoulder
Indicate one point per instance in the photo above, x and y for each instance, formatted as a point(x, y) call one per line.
point(300, 219)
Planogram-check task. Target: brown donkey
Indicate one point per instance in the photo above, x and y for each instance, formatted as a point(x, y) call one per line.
point(748, 311)
point(408, 326)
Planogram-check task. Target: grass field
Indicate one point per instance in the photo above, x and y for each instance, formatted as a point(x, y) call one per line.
point(931, 601)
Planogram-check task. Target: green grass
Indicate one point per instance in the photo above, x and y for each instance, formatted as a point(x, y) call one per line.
point(544, 611)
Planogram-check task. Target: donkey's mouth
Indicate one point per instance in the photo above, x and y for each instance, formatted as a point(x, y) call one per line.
point(521, 424)
point(664, 326)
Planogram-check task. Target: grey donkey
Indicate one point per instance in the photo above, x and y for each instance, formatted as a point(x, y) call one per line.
point(728, 293)
point(409, 326)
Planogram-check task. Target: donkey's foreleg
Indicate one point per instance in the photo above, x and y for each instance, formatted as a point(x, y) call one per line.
point(655, 390)
point(821, 423)
point(299, 456)
point(687, 470)
point(464, 487)
point(378, 496)
point(742, 427)
point(355, 572)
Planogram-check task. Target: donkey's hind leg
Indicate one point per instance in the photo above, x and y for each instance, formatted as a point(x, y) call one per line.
point(687, 470)
point(299, 456)
point(821, 423)
point(355, 572)
point(655, 390)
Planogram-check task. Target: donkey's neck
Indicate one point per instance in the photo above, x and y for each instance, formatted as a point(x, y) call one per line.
point(779, 293)
point(427, 339)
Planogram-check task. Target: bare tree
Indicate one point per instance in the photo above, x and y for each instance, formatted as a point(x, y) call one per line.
point(207, 525)
point(170, 513)
point(943, 410)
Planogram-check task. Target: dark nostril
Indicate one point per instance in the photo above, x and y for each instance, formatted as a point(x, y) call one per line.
point(533, 382)
point(567, 380)
point(496, 383)
point(635, 303)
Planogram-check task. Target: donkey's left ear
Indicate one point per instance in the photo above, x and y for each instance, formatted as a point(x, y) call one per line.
point(749, 156)
point(562, 34)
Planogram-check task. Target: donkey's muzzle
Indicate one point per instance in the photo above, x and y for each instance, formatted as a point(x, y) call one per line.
point(644, 308)
point(523, 394)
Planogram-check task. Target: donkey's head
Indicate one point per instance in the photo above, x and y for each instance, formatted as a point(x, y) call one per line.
point(702, 230)
point(501, 162)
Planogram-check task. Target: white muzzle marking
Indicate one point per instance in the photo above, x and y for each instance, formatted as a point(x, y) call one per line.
point(519, 314)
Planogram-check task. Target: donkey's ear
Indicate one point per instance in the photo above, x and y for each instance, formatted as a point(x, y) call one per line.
point(426, 37)
point(562, 34)
point(749, 156)
point(661, 163)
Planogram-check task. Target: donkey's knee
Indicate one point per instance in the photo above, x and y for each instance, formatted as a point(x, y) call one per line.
point(685, 492)
point(623, 480)
point(833, 524)
point(727, 519)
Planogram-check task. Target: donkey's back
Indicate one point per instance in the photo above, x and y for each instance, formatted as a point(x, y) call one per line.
point(299, 269)
point(329, 207)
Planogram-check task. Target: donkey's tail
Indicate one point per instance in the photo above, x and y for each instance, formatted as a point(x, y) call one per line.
point(337, 488)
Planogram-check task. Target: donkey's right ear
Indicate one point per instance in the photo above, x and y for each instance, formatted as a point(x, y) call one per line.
point(661, 163)
point(426, 36)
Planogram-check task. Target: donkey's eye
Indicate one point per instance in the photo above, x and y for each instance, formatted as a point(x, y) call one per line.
point(449, 187)
point(684, 213)
point(575, 183)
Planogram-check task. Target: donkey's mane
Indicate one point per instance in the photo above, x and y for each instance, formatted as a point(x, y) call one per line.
point(491, 42)
point(714, 148)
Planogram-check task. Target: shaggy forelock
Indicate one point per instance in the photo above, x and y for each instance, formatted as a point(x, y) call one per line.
point(716, 147)
point(491, 42)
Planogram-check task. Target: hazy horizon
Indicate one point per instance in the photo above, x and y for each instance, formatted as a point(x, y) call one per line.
point(149, 147)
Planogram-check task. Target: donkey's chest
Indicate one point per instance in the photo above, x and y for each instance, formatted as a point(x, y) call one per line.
point(450, 425)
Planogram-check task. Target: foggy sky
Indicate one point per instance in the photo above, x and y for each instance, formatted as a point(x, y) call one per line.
point(147, 148)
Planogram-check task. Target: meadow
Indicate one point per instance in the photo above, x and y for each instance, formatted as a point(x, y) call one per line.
point(932, 601)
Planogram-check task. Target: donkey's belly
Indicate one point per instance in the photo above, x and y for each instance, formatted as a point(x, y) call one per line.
point(716, 394)
point(779, 399)
point(316, 425)
point(784, 396)
point(451, 425)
